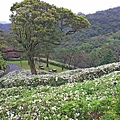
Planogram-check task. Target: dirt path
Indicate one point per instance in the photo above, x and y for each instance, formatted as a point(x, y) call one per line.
point(11, 67)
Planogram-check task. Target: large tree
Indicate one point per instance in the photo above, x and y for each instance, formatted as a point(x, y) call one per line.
point(35, 22)
point(32, 21)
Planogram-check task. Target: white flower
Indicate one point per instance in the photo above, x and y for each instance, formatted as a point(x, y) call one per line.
point(71, 119)
point(0, 107)
point(45, 118)
point(54, 108)
point(56, 78)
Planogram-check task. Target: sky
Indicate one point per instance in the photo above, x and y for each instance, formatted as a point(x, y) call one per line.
point(84, 6)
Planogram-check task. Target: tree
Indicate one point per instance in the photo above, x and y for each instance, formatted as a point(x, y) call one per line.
point(32, 21)
point(108, 56)
point(80, 60)
point(36, 22)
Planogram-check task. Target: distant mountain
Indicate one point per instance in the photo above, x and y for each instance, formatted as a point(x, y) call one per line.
point(5, 27)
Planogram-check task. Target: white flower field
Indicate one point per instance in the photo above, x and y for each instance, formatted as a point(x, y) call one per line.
point(81, 94)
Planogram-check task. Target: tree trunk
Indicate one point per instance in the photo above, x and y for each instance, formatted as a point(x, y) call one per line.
point(47, 61)
point(32, 65)
point(62, 67)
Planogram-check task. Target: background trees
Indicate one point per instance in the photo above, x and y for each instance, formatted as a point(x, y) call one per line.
point(2, 40)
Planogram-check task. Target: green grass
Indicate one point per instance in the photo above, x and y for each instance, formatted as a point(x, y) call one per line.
point(24, 64)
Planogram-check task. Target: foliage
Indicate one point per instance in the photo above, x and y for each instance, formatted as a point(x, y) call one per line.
point(94, 99)
point(102, 22)
point(32, 23)
point(69, 23)
point(94, 52)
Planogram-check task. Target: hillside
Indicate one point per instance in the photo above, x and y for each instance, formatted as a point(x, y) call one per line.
point(24, 97)
point(97, 45)
point(102, 22)
point(91, 52)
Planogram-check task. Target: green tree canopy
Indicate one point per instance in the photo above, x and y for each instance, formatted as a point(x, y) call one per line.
point(69, 23)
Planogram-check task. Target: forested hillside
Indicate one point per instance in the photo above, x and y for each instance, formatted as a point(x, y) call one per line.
point(95, 51)
point(102, 22)
point(105, 21)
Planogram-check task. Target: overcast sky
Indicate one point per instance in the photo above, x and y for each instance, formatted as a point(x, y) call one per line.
point(84, 6)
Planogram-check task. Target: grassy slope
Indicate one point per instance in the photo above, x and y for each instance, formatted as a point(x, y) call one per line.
point(84, 100)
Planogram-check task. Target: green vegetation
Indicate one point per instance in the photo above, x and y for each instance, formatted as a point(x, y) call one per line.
point(97, 45)
point(94, 99)
point(92, 93)
point(93, 52)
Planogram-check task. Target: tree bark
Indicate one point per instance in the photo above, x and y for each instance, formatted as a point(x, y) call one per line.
point(32, 64)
